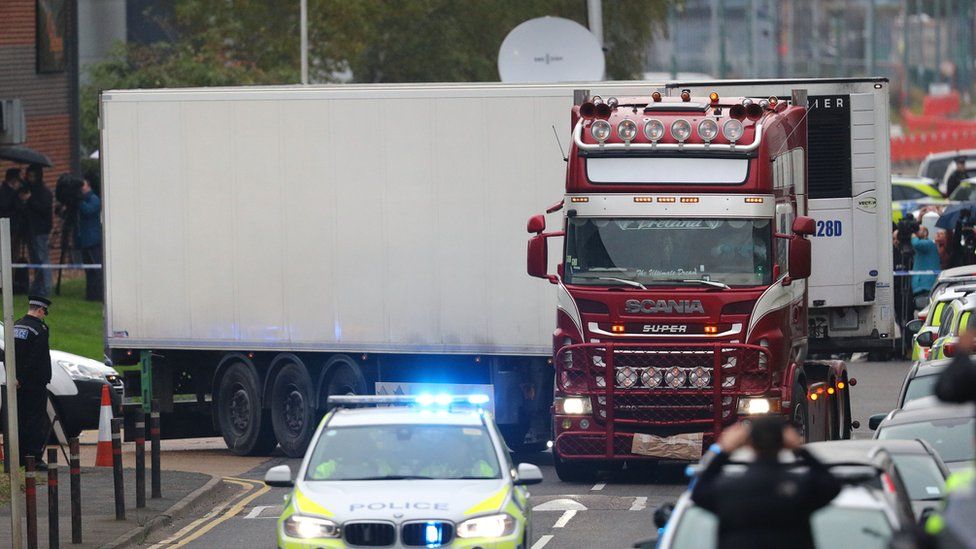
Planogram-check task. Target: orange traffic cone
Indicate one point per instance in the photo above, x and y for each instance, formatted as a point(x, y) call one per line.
point(104, 456)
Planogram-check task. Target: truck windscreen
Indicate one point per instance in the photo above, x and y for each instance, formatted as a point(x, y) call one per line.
point(649, 251)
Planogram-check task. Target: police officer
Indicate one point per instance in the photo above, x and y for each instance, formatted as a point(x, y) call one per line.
point(33, 355)
point(767, 506)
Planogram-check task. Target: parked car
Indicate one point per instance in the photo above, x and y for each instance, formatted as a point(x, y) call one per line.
point(76, 388)
point(957, 317)
point(926, 327)
point(862, 516)
point(921, 470)
point(920, 381)
point(909, 194)
point(947, 427)
point(935, 164)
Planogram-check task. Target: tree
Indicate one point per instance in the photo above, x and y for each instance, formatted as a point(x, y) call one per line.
point(241, 42)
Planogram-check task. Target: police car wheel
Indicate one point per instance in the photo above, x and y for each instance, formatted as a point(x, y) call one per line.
point(293, 411)
point(244, 423)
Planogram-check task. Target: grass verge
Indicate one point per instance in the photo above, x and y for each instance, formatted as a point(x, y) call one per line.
point(76, 324)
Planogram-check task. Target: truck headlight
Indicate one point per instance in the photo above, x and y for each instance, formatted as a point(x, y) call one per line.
point(492, 526)
point(302, 527)
point(756, 406)
point(574, 406)
point(81, 371)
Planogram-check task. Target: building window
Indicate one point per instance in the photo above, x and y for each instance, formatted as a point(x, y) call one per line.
point(52, 26)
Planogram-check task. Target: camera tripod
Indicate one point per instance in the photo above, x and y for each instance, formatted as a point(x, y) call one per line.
point(69, 224)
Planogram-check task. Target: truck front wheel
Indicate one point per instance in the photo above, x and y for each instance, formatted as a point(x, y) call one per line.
point(799, 416)
point(292, 410)
point(244, 423)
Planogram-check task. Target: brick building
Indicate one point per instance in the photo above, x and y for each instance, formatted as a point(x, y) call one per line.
point(39, 66)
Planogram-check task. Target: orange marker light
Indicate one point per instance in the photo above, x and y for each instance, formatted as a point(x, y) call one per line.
point(754, 200)
point(689, 199)
point(643, 199)
point(656, 96)
point(665, 199)
point(617, 328)
point(580, 199)
point(820, 390)
point(773, 100)
point(685, 96)
point(813, 396)
point(711, 329)
point(830, 390)
point(841, 385)
point(713, 97)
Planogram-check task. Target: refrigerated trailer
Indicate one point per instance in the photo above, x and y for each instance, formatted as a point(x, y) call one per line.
point(266, 247)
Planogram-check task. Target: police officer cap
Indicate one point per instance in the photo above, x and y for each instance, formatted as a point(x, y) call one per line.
point(38, 301)
point(960, 159)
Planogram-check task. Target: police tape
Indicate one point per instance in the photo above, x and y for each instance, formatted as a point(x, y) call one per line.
point(910, 273)
point(57, 266)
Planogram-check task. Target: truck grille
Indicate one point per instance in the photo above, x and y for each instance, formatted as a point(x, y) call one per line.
point(369, 534)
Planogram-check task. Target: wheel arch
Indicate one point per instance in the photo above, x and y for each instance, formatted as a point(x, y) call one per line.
point(332, 365)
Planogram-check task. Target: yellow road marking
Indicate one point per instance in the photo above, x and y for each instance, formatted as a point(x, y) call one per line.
point(215, 517)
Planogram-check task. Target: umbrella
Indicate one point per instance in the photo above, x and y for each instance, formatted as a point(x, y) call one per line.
point(23, 155)
point(951, 215)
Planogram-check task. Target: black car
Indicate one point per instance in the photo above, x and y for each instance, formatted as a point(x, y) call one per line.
point(948, 428)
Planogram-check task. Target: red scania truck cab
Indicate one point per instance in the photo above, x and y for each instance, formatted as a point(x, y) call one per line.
point(682, 295)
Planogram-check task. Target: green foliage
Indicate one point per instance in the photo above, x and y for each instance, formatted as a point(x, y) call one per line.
point(76, 324)
point(241, 42)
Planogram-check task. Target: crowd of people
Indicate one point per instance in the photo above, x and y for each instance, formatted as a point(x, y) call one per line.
point(28, 202)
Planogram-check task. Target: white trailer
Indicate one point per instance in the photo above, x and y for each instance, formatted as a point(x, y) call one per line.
point(849, 165)
point(267, 247)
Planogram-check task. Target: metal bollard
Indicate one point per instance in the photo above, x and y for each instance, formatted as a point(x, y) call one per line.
point(53, 534)
point(30, 497)
point(157, 491)
point(117, 468)
point(140, 423)
point(74, 471)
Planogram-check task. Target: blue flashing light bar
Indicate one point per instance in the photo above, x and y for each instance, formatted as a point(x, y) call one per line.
point(433, 534)
point(426, 400)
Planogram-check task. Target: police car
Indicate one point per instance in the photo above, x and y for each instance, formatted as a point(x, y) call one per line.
point(406, 471)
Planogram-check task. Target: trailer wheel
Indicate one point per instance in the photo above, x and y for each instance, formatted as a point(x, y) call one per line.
point(344, 379)
point(573, 471)
point(244, 423)
point(292, 410)
point(799, 416)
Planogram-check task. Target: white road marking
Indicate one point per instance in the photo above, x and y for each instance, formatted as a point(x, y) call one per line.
point(542, 541)
point(560, 505)
point(599, 486)
point(640, 503)
point(564, 520)
point(257, 510)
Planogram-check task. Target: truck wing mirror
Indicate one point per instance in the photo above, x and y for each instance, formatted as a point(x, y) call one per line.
point(536, 224)
point(804, 226)
point(799, 258)
point(925, 339)
point(537, 261)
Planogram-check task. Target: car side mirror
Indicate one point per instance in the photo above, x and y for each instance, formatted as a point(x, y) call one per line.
point(279, 477)
point(527, 474)
point(875, 420)
point(914, 326)
point(663, 514)
point(803, 225)
point(925, 339)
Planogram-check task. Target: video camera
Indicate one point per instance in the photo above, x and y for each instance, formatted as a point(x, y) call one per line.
point(68, 191)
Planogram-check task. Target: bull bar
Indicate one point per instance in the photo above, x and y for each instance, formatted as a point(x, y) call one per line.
point(655, 389)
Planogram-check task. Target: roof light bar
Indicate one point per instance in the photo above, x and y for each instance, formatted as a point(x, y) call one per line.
point(726, 132)
point(425, 399)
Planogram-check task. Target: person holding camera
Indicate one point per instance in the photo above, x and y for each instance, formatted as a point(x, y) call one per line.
point(39, 208)
point(89, 239)
point(770, 504)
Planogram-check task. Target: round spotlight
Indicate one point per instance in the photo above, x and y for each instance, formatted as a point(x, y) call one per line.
point(763, 104)
point(600, 130)
point(732, 130)
point(681, 130)
point(626, 377)
point(651, 377)
point(707, 129)
point(654, 129)
point(675, 377)
point(584, 424)
point(745, 102)
point(699, 377)
point(627, 130)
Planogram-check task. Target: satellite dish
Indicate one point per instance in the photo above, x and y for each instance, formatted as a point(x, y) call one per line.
point(550, 49)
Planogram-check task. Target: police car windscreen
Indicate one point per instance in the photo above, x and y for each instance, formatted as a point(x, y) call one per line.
point(649, 251)
point(400, 452)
